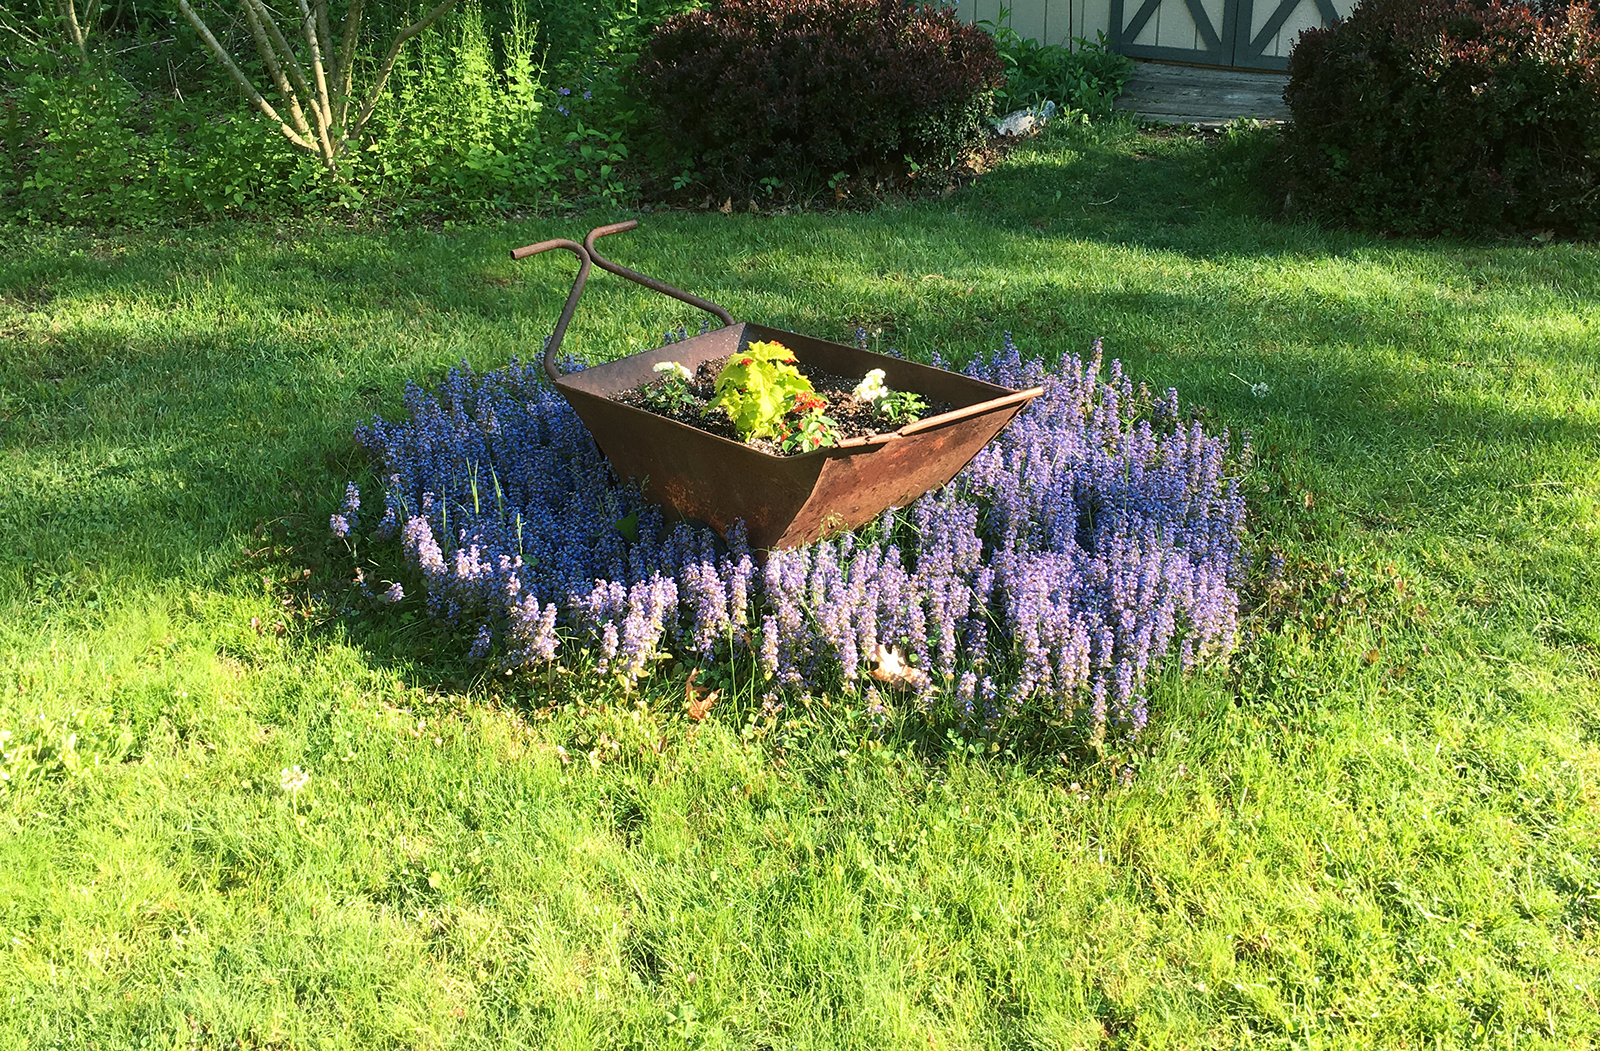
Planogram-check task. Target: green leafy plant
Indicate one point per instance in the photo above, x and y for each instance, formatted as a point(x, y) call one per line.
point(806, 427)
point(671, 394)
point(900, 406)
point(81, 143)
point(893, 406)
point(1085, 76)
point(758, 387)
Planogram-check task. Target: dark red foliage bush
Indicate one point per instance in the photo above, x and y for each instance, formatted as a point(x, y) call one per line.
point(776, 88)
point(1420, 116)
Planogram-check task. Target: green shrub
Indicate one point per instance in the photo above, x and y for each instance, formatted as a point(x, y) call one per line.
point(1086, 77)
point(467, 126)
point(1447, 115)
point(80, 145)
point(772, 89)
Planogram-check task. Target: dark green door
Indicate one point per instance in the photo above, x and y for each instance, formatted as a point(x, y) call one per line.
point(1242, 34)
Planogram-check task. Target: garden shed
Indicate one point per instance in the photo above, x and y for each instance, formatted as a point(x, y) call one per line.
point(1235, 34)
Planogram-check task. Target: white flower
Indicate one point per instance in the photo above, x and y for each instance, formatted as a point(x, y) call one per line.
point(676, 369)
point(871, 388)
point(1260, 390)
point(293, 779)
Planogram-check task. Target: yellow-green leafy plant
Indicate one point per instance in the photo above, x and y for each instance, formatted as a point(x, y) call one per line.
point(758, 387)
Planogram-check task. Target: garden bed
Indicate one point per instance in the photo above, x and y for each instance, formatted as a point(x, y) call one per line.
point(1096, 538)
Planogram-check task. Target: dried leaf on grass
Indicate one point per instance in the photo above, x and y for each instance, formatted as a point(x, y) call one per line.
point(698, 700)
point(892, 669)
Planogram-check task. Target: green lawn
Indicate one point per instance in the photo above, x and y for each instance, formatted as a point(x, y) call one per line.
point(1379, 826)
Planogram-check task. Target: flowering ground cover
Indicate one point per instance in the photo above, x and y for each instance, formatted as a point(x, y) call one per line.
point(245, 806)
point(1098, 532)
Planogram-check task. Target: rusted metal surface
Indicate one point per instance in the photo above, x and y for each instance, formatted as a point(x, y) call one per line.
point(649, 282)
point(784, 501)
point(554, 344)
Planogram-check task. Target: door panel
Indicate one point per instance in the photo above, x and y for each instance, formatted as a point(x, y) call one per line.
point(1180, 30)
point(1244, 34)
point(1274, 26)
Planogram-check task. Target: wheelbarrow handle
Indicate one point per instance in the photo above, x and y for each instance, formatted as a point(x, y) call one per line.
point(649, 282)
point(1004, 401)
point(553, 346)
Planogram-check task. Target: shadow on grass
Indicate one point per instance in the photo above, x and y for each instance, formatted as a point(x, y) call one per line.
point(179, 441)
point(167, 395)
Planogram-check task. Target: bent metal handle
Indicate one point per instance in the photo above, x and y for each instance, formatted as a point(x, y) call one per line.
point(553, 345)
point(649, 282)
point(979, 409)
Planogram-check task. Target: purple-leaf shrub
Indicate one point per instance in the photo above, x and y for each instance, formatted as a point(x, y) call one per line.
point(1100, 533)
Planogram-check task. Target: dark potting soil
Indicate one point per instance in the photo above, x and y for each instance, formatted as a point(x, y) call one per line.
point(855, 419)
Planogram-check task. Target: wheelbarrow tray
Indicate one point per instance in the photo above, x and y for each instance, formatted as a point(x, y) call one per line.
point(785, 501)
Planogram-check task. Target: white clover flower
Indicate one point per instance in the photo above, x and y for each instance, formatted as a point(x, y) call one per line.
point(676, 369)
point(871, 388)
point(293, 779)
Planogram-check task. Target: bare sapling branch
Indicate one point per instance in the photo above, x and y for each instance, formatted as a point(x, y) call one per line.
point(222, 56)
point(297, 75)
point(347, 63)
point(329, 58)
point(308, 24)
point(315, 79)
point(269, 58)
point(78, 31)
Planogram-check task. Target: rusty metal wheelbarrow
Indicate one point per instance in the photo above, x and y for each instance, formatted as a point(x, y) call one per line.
point(784, 501)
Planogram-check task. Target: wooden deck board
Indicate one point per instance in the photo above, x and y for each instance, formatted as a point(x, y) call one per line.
point(1207, 97)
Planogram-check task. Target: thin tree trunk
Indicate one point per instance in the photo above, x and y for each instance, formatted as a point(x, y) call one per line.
point(318, 98)
point(222, 56)
point(79, 31)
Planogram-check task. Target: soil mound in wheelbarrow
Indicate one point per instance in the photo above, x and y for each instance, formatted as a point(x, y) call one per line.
point(852, 417)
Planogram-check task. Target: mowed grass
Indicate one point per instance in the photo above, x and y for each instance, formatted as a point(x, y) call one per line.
point(1378, 826)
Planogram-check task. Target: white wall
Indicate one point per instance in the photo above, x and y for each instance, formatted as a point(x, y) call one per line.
point(1047, 21)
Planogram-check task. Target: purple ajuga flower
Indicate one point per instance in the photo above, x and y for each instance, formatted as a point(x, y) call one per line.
point(1099, 535)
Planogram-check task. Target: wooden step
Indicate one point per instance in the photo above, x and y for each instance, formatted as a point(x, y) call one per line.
point(1203, 96)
